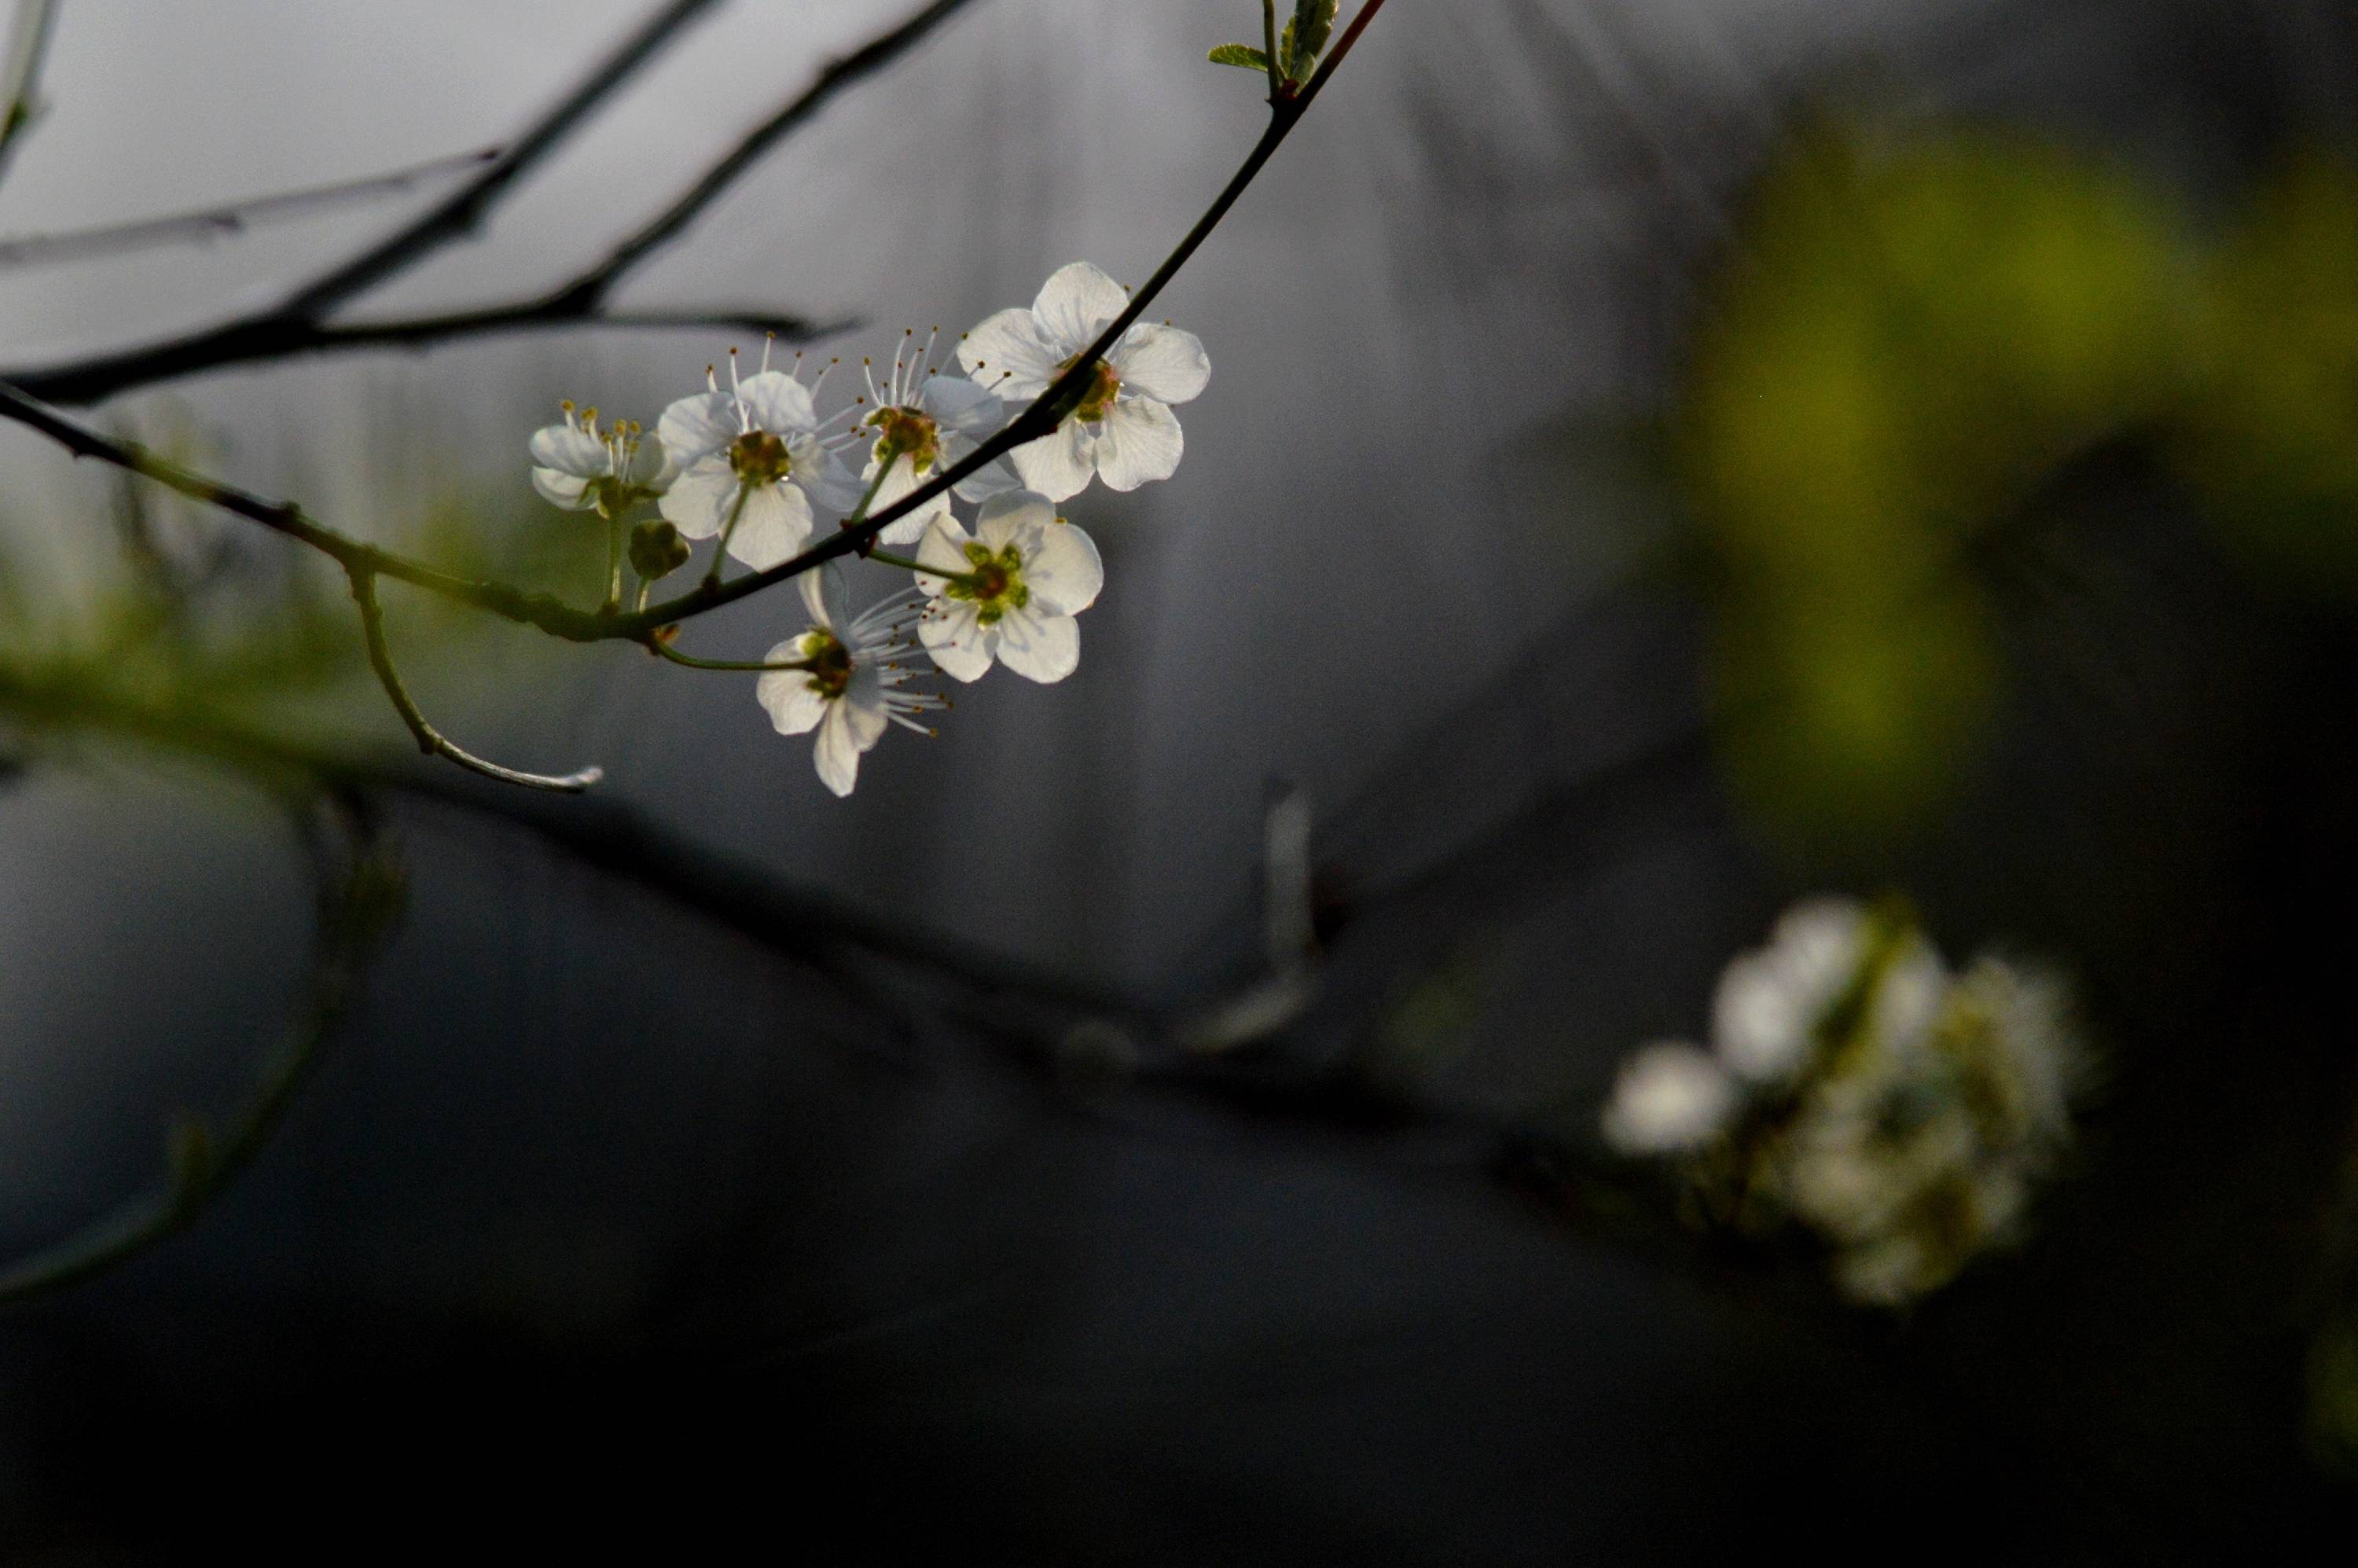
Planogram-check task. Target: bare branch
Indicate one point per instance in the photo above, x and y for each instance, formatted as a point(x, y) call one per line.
point(864, 61)
point(20, 78)
point(232, 218)
point(429, 740)
point(299, 325)
point(295, 325)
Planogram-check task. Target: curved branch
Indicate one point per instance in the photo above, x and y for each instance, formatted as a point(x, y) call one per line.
point(1047, 411)
point(353, 912)
point(432, 741)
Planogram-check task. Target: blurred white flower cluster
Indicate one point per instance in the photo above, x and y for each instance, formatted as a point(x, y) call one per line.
point(755, 465)
point(1855, 1086)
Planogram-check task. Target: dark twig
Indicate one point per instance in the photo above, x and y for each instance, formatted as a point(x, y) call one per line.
point(301, 325)
point(295, 325)
point(1046, 411)
point(20, 78)
point(355, 904)
point(233, 218)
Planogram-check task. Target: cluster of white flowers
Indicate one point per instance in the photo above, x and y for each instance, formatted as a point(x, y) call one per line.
point(1857, 1084)
point(755, 465)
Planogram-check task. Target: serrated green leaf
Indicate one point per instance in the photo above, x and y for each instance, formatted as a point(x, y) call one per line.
point(1286, 53)
point(1243, 55)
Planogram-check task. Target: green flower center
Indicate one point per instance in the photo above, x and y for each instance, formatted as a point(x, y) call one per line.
point(993, 583)
point(910, 434)
point(1104, 385)
point(829, 661)
point(760, 457)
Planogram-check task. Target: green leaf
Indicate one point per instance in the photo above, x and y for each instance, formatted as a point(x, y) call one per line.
point(1306, 35)
point(1243, 55)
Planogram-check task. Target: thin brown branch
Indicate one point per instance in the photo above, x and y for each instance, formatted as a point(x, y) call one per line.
point(232, 218)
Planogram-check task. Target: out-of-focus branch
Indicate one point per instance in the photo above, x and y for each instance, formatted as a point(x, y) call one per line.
point(358, 894)
point(301, 324)
point(295, 325)
point(230, 217)
point(20, 78)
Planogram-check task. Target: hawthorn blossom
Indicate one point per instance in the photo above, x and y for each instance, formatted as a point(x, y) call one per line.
point(1671, 1097)
point(928, 422)
point(757, 453)
point(584, 466)
point(1902, 1113)
point(847, 687)
point(1770, 1003)
point(1123, 429)
point(1009, 591)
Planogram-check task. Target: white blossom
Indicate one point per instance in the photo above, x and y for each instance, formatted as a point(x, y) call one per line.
point(851, 685)
point(1008, 592)
point(585, 467)
point(1123, 429)
point(1670, 1099)
point(1770, 1002)
point(929, 421)
point(759, 447)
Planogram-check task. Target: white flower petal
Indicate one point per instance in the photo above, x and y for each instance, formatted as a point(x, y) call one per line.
point(1058, 466)
point(955, 639)
point(1140, 442)
point(1162, 362)
point(795, 707)
point(826, 478)
point(898, 485)
point(1044, 648)
point(827, 594)
point(696, 425)
point(559, 488)
point(1669, 1098)
point(836, 753)
point(572, 450)
point(777, 402)
point(944, 546)
point(1063, 570)
point(774, 527)
point(697, 502)
point(994, 478)
point(1009, 355)
point(957, 402)
point(1005, 517)
point(1077, 303)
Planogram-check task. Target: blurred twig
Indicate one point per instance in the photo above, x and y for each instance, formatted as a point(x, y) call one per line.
point(230, 217)
point(301, 323)
point(20, 78)
point(357, 897)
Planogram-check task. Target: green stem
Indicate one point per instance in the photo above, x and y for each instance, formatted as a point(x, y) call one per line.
point(662, 649)
point(727, 532)
point(613, 566)
point(886, 455)
point(1269, 48)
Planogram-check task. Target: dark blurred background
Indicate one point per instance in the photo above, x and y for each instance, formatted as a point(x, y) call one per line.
point(1663, 456)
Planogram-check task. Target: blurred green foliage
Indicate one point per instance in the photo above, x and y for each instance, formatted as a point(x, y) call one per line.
point(1910, 343)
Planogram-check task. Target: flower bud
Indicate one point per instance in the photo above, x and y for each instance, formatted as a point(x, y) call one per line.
point(657, 551)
